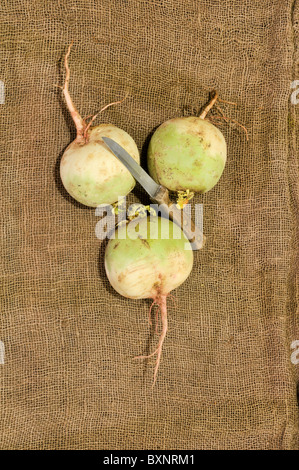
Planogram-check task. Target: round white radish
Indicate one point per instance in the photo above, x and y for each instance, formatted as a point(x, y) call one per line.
point(89, 171)
point(149, 264)
point(187, 153)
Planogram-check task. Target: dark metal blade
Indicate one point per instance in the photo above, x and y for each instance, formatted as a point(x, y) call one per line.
point(136, 171)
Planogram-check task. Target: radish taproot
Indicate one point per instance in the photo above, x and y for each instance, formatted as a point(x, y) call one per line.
point(149, 264)
point(90, 173)
point(187, 153)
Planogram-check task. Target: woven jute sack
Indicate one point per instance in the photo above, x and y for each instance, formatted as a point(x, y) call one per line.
point(229, 371)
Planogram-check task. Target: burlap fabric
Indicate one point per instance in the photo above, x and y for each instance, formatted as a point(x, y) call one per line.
point(226, 380)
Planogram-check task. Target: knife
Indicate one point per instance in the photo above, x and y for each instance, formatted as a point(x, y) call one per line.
point(158, 194)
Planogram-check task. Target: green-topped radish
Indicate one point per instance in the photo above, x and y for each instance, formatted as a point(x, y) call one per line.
point(90, 173)
point(149, 264)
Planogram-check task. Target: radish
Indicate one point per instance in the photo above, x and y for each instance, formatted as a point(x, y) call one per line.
point(187, 153)
point(149, 263)
point(90, 173)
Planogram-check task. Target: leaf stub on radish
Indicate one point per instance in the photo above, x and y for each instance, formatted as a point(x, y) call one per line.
point(147, 266)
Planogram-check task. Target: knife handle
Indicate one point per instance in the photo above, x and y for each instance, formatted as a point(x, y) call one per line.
point(193, 233)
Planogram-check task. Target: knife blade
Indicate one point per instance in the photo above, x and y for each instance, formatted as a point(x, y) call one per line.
point(143, 178)
point(158, 194)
